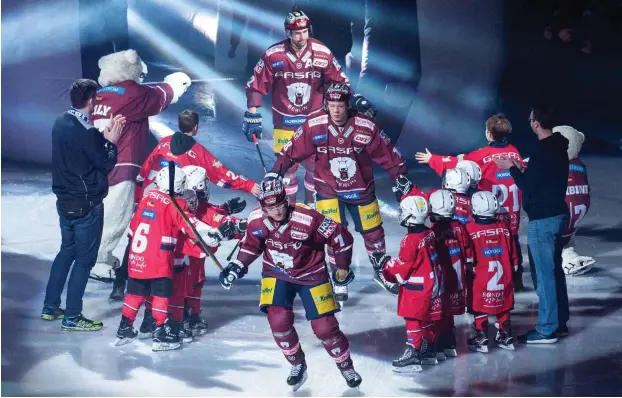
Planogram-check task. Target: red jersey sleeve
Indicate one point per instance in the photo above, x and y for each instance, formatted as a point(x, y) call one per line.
point(383, 152)
point(398, 269)
point(260, 83)
point(440, 163)
point(218, 174)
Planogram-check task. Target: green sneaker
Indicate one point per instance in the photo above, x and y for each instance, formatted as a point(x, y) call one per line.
point(80, 324)
point(50, 313)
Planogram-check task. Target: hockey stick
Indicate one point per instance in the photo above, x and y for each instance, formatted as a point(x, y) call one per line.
point(171, 192)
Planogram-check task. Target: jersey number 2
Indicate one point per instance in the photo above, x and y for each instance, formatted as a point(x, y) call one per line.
point(493, 283)
point(139, 240)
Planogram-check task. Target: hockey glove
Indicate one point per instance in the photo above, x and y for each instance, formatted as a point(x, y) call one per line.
point(235, 205)
point(252, 125)
point(358, 102)
point(235, 270)
point(179, 268)
point(342, 277)
point(402, 186)
point(379, 260)
point(240, 227)
point(226, 229)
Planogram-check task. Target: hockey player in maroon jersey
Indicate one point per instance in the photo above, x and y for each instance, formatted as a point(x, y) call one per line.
point(295, 71)
point(419, 274)
point(494, 262)
point(291, 240)
point(455, 252)
point(154, 230)
point(345, 144)
point(578, 201)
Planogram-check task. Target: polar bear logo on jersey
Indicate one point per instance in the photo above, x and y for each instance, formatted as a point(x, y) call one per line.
point(299, 93)
point(281, 260)
point(343, 168)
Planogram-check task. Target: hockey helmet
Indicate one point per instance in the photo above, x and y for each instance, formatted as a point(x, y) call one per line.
point(296, 20)
point(179, 184)
point(190, 197)
point(457, 180)
point(472, 169)
point(196, 179)
point(413, 210)
point(338, 92)
point(442, 203)
point(484, 204)
point(271, 191)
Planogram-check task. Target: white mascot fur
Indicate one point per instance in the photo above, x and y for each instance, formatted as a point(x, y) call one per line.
point(120, 76)
point(573, 263)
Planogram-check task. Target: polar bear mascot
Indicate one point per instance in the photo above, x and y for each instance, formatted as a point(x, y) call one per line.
point(120, 76)
point(578, 201)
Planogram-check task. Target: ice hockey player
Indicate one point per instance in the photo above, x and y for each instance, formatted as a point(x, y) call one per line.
point(578, 201)
point(455, 251)
point(154, 230)
point(493, 179)
point(292, 241)
point(419, 274)
point(495, 259)
point(182, 149)
point(344, 143)
point(458, 182)
point(295, 71)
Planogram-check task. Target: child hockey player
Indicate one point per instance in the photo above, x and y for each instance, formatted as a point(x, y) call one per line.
point(458, 182)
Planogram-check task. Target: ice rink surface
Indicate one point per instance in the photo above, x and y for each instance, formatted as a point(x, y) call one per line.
point(238, 356)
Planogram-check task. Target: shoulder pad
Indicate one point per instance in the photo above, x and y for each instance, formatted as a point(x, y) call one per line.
point(318, 120)
point(364, 122)
point(317, 46)
point(277, 48)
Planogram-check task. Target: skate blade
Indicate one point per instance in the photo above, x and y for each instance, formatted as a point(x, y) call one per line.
point(198, 332)
point(142, 336)
point(506, 346)
point(187, 340)
point(408, 369)
point(123, 341)
point(478, 348)
point(429, 361)
point(157, 346)
point(450, 352)
point(441, 356)
point(297, 386)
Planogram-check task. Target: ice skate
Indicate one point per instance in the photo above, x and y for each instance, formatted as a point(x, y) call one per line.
point(297, 376)
point(341, 294)
point(408, 362)
point(449, 346)
point(185, 335)
point(352, 377)
point(147, 327)
point(504, 340)
point(427, 353)
point(478, 342)
point(126, 332)
point(164, 339)
point(197, 325)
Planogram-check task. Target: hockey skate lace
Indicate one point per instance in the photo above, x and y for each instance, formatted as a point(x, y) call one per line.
point(406, 354)
point(295, 370)
point(350, 374)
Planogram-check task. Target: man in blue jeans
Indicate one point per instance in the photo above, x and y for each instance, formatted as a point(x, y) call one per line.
point(543, 184)
point(81, 160)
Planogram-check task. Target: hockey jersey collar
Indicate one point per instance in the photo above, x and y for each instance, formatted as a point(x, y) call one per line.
point(499, 144)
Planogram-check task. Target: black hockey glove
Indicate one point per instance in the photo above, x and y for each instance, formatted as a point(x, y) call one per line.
point(252, 125)
point(358, 102)
point(235, 205)
point(402, 186)
point(235, 270)
point(379, 260)
point(179, 268)
point(240, 227)
point(343, 281)
point(226, 229)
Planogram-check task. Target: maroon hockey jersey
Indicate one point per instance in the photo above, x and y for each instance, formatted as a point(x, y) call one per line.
point(136, 102)
point(294, 251)
point(577, 197)
point(297, 83)
point(343, 165)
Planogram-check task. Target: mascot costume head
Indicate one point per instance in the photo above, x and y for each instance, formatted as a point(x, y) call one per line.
point(121, 75)
point(575, 139)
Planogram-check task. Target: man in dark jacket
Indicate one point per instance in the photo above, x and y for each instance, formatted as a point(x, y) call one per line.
point(81, 160)
point(543, 184)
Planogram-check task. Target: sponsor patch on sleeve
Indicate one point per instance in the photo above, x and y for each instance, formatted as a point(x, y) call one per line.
point(385, 137)
point(327, 227)
point(359, 121)
point(258, 232)
point(320, 138)
point(320, 63)
point(149, 214)
point(302, 218)
point(299, 235)
point(318, 120)
point(362, 139)
point(278, 64)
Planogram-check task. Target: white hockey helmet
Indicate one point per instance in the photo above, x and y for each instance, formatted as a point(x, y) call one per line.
point(190, 197)
point(472, 169)
point(196, 179)
point(484, 204)
point(442, 203)
point(413, 210)
point(457, 180)
point(179, 185)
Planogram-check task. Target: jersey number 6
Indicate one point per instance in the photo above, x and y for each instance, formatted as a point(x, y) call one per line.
point(139, 240)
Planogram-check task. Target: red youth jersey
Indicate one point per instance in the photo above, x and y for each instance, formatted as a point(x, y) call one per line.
point(216, 172)
point(294, 251)
point(455, 250)
point(577, 196)
point(343, 165)
point(297, 82)
point(136, 102)
point(154, 230)
point(495, 180)
point(420, 275)
point(494, 261)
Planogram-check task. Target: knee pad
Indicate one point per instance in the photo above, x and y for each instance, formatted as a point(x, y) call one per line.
point(325, 327)
point(374, 241)
point(281, 319)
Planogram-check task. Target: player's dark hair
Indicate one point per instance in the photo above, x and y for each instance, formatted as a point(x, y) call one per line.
point(81, 91)
point(499, 127)
point(187, 121)
point(543, 114)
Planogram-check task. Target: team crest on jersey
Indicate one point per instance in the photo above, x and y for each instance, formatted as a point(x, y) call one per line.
point(281, 260)
point(298, 235)
point(216, 163)
point(149, 214)
point(299, 93)
point(362, 139)
point(343, 168)
point(320, 63)
point(151, 204)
